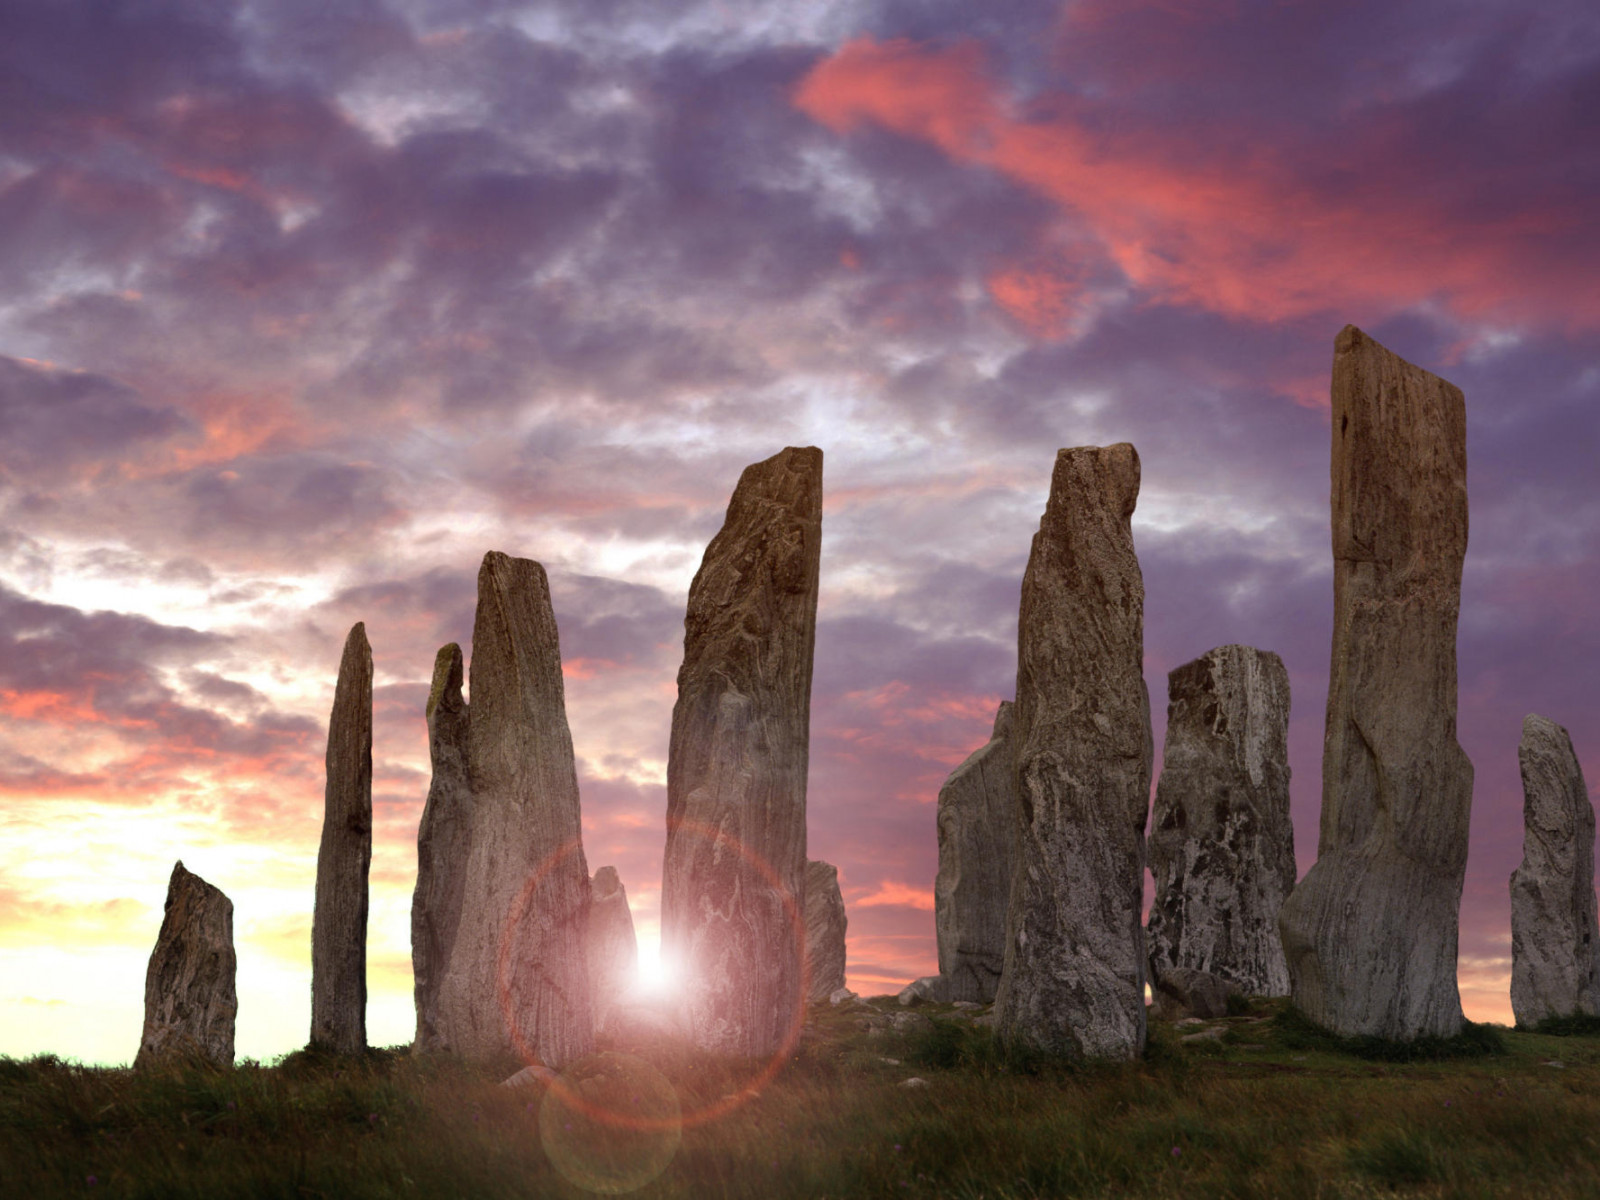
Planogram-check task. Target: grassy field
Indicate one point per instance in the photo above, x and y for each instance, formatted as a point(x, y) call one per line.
point(1255, 1106)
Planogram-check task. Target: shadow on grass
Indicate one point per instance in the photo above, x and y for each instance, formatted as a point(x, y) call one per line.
point(1293, 1030)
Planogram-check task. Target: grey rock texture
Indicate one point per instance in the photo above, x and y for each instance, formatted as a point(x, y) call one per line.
point(977, 849)
point(613, 946)
point(1183, 992)
point(733, 875)
point(1555, 941)
point(930, 989)
point(1073, 979)
point(189, 997)
point(1221, 843)
point(1370, 932)
point(444, 840)
point(339, 918)
point(518, 975)
point(825, 928)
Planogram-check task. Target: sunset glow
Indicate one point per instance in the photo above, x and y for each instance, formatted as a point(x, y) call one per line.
point(308, 307)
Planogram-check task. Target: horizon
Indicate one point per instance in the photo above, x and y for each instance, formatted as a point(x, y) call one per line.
point(312, 309)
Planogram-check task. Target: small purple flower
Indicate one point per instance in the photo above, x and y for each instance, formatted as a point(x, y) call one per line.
point(91, 1181)
point(232, 1105)
point(897, 1145)
point(1176, 1153)
point(372, 1118)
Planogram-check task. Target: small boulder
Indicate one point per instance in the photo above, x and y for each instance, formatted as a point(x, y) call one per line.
point(841, 996)
point(1183, 992)
point(931, 989)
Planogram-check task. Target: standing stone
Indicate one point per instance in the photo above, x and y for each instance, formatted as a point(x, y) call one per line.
point(1221, 842)
point(613, 946)
point(443, 844)
point(189, 998)
point(734, 868)
point(1073, 979)
point(1370, 932)
point(1555, 939)
point(977, 847)
point(339, 918)
point(825, 927)
point(517, 981)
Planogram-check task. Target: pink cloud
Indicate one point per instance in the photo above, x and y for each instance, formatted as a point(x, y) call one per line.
point(1240, 230)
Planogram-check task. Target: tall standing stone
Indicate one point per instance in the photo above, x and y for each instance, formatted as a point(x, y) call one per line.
point(734, 867)
point(339, 918)
point(1555, 941)
point(517, 981)
point(1073, 979)
point(825, 929)
point(1221, 842)
point(977, 848)
point(613, 945)
point(1370, 932)
point(443, 844)
point(189, 997)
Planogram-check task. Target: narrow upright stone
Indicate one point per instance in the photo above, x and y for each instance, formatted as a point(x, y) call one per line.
point(517, 981)
point(613, 946)
point(734, 868)
point(444, 842)
point(1221, 842)
point(977, 847)
point(339, 919)
point(1555, 940)
point(1073, 979)
point(189, 997)
point(1370, 932)
point(825, 928)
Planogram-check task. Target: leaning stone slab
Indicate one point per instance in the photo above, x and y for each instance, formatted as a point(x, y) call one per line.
point(339, 918)
point(1370, 932)
point(1555, 937)
point(444, 844)
point(1073, 979)
point(826, 923)
point(1221, 842)
point(518, 975)
point(930, 989)
point(189, 997)
point(977, 836)
point(733, 876)
point(613, 945)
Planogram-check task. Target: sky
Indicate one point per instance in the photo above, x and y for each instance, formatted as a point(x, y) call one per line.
point(305, 307)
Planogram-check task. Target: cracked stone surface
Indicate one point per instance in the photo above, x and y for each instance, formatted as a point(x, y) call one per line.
point(1221, 842)
point(1074, 973)
point(339, 917)
point(733, 875)
point(977, 850)
point(1555, 942)
point(1370, 933)
point(825, 930)
point(190, 1000)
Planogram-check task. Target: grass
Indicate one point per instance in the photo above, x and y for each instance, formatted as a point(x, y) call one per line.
point(1271, 1108)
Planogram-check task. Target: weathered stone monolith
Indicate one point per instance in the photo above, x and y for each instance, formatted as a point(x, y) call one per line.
point(733, 875)
point(613, 946)
point(443, 843)
point(977, 846)
point(825, 929)
point(1221, 842)
point(339, 918)
point(1555, 939)
point(517, 981)
point(189, 998)
point(1073, 979)
point(1370, 932)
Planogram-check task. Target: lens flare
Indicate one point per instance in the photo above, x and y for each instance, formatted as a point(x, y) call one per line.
point(612, 1125)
